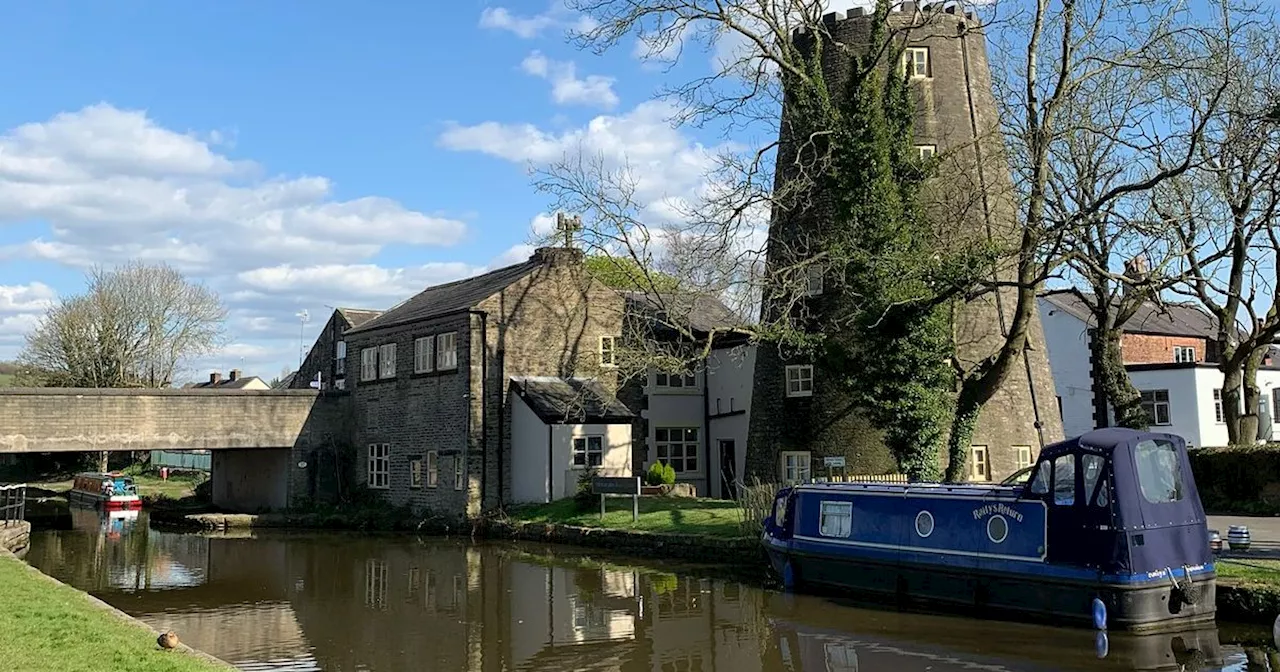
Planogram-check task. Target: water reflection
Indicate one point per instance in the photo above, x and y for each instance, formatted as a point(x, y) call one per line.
point(340, 603)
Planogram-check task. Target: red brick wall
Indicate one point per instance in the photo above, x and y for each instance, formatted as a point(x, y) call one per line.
point(1147, 349)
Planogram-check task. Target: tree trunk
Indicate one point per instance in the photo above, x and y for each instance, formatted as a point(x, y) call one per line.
point(1232, 381)
point(102, 461)
point(968, 406)
point(1124, 398)
point(1249, 420)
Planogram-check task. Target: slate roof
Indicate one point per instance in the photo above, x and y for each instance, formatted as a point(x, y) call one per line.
point(228, 384)
point(701, 313)
point(1176, 319)
point(570, 400)
point(358, 316)
point(449, 297)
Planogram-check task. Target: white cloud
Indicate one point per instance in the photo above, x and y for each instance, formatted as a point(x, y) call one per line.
point(350, 284)
point(33, 298)
point(115, 185)
point(566, 87)
point(529, 27)
point(664, 161)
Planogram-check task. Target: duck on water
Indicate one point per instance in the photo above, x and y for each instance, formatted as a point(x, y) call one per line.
point(1108, 529)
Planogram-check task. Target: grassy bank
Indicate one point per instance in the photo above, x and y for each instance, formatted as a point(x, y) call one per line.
point(669, 515)
point(54, 628)
point(149, 486)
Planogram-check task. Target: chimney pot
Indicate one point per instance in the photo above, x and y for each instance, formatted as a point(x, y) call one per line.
point(555, 256)
point(215, 377)
point(235, 374)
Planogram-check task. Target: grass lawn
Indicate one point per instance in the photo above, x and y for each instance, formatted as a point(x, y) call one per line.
point(1248, 571)
point(713, 517)
point(6, 380)
point(53, 628)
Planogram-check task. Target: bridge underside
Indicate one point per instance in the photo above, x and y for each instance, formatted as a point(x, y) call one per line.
point(72, 419)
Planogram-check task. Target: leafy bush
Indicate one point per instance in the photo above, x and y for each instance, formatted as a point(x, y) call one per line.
point(669, 475)
point(655, 475)
point(583, 497)
point(1239, 480)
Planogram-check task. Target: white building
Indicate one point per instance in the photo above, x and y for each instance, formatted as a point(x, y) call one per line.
point(1185, 399)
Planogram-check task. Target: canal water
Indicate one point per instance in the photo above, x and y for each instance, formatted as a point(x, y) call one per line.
point(294, 601)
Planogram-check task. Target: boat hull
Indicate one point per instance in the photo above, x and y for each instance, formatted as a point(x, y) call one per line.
point(1135, 606)
point(113, 503)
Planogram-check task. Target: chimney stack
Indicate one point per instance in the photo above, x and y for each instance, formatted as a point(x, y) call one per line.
point(215, 378)
point(235, 375)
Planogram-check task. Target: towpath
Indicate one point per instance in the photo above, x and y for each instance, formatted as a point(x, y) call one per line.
point(1264, 533)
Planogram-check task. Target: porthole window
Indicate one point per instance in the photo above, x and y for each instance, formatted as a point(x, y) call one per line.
point(924, 524)
point(997, 528)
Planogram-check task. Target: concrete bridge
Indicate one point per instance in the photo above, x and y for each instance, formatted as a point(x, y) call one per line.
point(254, 434)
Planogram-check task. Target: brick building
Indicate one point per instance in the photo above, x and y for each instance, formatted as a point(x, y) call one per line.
point(1171, 353)
point(800, 413)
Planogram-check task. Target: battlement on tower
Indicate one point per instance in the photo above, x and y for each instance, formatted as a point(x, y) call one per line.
point(896, 14)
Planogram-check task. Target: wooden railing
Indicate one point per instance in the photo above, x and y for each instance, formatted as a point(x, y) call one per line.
point(13, 504)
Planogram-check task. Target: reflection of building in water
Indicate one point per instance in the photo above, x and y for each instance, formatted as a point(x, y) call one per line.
point(124, 554)
point(242, 633)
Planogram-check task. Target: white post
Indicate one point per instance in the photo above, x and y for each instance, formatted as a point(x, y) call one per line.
point(602, 506)
point(635, 502)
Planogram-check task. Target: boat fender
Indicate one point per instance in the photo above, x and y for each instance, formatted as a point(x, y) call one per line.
point(1185, 589)
point(1099, 614)
point(1101, 645)
point(788, 576)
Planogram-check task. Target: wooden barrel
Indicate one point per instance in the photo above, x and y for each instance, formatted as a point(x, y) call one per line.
point(1238, 537)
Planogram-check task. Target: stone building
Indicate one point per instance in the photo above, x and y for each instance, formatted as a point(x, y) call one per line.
point(430, 377)
point(326, 363)
point(799, 415)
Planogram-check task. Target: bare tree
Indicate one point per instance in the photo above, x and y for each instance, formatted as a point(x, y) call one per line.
point(133, 327)
point(1225, 213)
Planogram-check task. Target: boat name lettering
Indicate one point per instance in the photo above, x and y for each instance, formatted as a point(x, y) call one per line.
point(991, 509)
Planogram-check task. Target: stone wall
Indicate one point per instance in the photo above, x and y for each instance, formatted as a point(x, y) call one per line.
point(74, 419)
point(15, 536)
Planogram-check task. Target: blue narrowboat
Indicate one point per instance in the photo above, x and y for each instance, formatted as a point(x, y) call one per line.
point(1108, 529)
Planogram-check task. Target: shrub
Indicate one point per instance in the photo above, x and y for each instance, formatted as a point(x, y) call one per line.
point(756, 502)
point(669, 475)
point(1238, 480)
point(583, 497)
point(656, 475)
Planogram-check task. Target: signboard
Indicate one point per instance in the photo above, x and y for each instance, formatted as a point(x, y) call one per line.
point(605, 485)
point(833, 461)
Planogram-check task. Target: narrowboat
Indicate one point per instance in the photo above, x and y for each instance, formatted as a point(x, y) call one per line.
point(110, 491)
point(1108, 530)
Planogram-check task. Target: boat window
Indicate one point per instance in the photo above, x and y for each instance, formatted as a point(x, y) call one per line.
point(1159, 471)
point(780, 511)
point(836, 519)
point(1092, 466)
point(1064, 480)
point(1040, 485)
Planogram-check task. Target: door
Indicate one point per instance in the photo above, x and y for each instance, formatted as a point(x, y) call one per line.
point(1081, 526)
point(728, 469)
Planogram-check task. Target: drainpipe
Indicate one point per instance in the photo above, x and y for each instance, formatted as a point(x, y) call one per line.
point(706, 423)
point(484, 404)
point(502, 417)
point(551, 474)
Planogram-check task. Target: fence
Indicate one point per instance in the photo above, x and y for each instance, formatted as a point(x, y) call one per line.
point(182, 460)
point(13, 504)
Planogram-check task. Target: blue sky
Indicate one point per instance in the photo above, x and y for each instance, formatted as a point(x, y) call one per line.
point(297, 155)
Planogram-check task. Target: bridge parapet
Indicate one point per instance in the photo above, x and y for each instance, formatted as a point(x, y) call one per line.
point(89, 419)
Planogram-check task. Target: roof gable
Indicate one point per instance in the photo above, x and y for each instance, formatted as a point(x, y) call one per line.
point(450, 297)
point(1173, 319)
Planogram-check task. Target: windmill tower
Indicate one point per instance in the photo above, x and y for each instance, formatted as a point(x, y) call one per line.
point(799, 416)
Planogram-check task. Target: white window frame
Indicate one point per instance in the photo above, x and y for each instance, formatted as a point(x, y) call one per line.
point(378, 475)
point(796, 384)
point(608, 351)
point(911, 60)
point(1181, 356)
point(815, 281)
point(447, 351)
point(926, 152)
point(433, 468)
point(979, 463)
point(797, 470)
point(663, 448)
point(1023, 456)
point(675, 381)
point(1155, 405)
point(459, 472)
point(340, 358)
point(1219, 413)
point(415, 473)
point(424, 357)
point(582, 447)
point(368, 364)
point(387, 360)
point(835, 519)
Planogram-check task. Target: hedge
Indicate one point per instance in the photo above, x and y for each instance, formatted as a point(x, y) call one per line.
point(1241, 480)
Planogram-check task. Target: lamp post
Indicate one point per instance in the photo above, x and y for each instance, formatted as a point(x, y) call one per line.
point(303, 317)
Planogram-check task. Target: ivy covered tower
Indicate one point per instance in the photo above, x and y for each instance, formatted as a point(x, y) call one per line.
point(799, 415)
